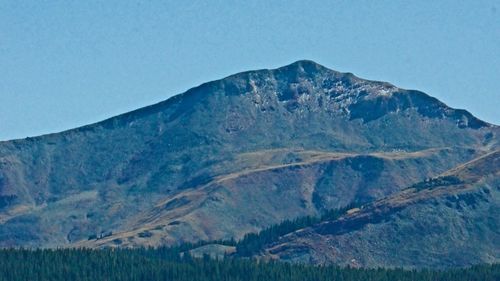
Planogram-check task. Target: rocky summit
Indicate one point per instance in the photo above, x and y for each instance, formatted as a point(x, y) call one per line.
point(236, 155)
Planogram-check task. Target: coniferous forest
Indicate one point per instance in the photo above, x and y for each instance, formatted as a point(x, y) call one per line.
point(174, 264)
point(252, 243)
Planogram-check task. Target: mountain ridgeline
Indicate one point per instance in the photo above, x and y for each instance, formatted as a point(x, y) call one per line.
point(237, 155)
point(451, 220)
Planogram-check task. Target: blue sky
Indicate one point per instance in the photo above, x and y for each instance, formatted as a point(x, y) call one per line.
point(65, 64)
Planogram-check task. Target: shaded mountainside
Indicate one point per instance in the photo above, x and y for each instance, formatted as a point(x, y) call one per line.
point(229, 157)
point(450, 220)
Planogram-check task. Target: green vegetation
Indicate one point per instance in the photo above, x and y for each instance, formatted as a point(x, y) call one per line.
point(170, 264)
point(252, 243)
point(439, 181)
point(175, 263)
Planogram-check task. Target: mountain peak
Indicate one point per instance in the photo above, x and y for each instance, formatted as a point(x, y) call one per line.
point(306, 86)
point(309, 68)
point(258, 136)
point(306, 65)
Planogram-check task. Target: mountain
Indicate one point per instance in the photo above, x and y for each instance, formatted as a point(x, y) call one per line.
point(448, 221)
point(229, 157)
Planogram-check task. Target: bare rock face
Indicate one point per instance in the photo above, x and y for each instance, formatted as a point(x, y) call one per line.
point(229, 157)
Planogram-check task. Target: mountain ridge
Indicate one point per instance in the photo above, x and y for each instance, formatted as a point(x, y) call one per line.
point(105, 177)
point(299, 64)
point(462, 187)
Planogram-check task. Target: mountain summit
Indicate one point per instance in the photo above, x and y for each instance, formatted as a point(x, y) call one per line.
point(229, 157)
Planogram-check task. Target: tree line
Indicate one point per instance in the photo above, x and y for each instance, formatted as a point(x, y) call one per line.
point(167, 263)
point(253, 243)
point(176, 264)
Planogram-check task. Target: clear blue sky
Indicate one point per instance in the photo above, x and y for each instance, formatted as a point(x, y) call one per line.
point(64, 64)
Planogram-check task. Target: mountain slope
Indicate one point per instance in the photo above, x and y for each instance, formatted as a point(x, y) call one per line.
point(235, 204)
point(450, 220)
point(114, 176)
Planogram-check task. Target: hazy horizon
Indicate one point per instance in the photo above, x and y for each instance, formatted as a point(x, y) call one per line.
point(68, 65)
